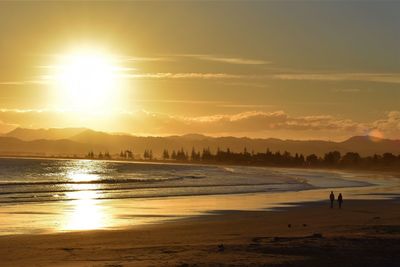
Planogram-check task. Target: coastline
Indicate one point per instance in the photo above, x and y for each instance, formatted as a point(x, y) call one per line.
point(306, 235)
point(281, 228)
point(88, 213)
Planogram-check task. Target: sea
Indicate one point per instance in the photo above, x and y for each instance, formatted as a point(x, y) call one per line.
point(48, 180)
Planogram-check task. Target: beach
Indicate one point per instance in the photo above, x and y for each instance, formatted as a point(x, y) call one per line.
point(136, 214)
point(362, 233)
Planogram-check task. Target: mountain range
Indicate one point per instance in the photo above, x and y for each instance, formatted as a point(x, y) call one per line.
point(79, 141)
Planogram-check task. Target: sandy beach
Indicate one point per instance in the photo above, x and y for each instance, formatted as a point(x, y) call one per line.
point(362, 233)
point(90, 224)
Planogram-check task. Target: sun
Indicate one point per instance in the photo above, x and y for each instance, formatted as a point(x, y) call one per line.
point(86, 80)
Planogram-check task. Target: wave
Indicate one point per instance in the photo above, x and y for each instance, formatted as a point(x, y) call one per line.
point(229, 169)
point(57, 191)
point(244, 189)
point(103, 181)
point(33, 182)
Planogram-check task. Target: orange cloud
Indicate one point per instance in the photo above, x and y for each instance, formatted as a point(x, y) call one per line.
point(250, 123)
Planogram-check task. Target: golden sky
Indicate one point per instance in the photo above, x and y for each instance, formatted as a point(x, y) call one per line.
point(298, 70)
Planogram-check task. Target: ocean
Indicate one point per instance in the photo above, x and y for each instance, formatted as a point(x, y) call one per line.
point(48, 180)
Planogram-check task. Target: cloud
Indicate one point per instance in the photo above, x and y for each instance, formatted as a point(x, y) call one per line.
point(205, 57)
point(251, 84)
point(189, 75)
point(262, 121)
point(366, 77)
point(247, 106)
point(347, 90)
point(389, 126)
point(173, 101)
point(259, 79)
point(160, 75)
point(153, 59)
point(250, 123)
point(263, 124)
point(23, 82)
point(227, 60)
point(233, 79)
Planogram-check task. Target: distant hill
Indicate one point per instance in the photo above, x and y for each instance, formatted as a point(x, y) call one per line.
point(367, 145)
point(14, 146)
point(80, 141)
point(47, 134)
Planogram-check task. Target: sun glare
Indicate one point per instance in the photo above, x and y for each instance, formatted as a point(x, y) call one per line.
point(87, 213)
point(86, 80)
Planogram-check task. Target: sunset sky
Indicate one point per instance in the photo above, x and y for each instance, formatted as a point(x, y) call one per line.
point(290, 70)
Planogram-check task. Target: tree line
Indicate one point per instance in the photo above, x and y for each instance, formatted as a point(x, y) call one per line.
point(332, 159)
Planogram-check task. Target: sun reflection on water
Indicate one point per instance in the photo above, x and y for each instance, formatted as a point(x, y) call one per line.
point(85, 171)
point(83, 177)
point(86, 211)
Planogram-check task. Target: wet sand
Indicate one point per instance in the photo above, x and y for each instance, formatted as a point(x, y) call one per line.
point(87, 213)
point(264, 229)
point(362, 233)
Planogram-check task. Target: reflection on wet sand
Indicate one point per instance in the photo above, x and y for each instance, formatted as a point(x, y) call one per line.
point(86, 211)
point(86, 205)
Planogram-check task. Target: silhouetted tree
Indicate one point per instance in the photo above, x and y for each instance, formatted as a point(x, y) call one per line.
point(90, 155)
point(173, 155)
point(148, 155)
point(182, 155)
point(194, 156)
point(206, 155)
point(350, 159)
point(165, 154)
point(388, 159)
point(312, 160)
point(129, 154)
point(332, 158)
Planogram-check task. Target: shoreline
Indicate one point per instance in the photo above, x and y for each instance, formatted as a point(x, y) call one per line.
point(86, 208)
point(87, 213)
point(289, 228)
point(303, 235)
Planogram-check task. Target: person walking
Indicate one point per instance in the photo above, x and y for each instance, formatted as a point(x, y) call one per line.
point(340, 200)
point(332, 198)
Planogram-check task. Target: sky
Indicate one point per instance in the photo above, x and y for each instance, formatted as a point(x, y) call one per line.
point(286, 69)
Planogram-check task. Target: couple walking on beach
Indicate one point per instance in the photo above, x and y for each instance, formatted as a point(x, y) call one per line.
point(339, 199)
